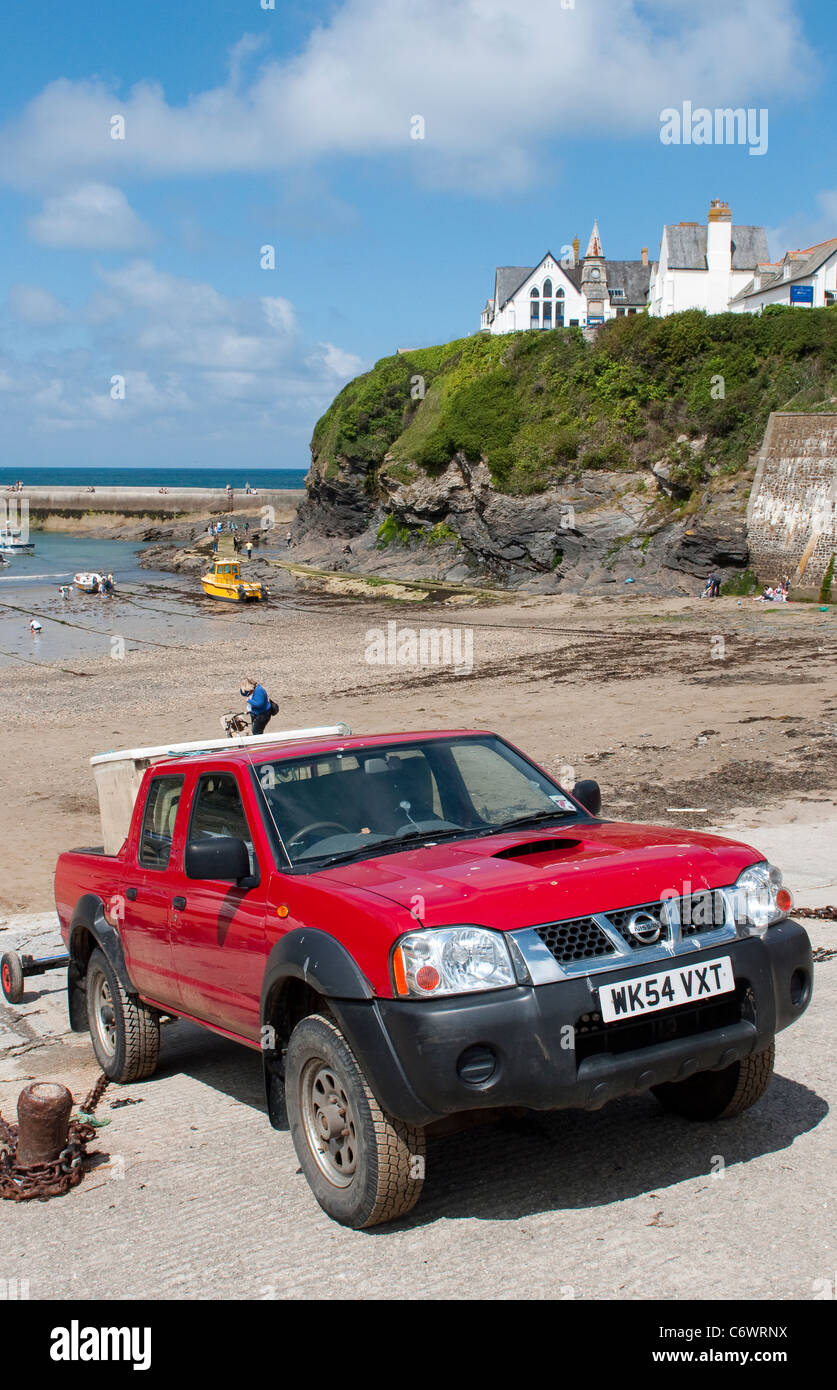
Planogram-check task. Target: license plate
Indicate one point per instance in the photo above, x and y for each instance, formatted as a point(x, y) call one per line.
point(686, 984)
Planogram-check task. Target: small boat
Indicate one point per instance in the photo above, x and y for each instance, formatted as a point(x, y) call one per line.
point(224, 581)
point(12, 542)
point(89, 583)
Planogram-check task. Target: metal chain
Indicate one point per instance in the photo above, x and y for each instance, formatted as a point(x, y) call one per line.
point(828, 914)
point(45, 1180)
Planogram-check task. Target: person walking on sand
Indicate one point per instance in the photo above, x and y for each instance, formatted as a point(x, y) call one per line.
point(259, 704)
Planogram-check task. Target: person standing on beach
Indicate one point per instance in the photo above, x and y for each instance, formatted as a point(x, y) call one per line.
point(259, 704)
point(249, 549)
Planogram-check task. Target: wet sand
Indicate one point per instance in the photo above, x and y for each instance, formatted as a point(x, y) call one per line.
point(674, 703)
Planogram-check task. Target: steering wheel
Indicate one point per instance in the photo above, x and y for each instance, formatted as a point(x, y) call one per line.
point(317, 825)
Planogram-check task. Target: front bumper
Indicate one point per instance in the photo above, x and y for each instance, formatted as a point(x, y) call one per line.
point(551, 1053)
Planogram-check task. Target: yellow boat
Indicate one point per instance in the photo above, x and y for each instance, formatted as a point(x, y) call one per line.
point(225, 581)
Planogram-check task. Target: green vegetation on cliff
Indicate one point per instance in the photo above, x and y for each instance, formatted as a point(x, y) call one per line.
point(541, 406)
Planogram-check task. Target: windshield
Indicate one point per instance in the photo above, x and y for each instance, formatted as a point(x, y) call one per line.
point(367, 801)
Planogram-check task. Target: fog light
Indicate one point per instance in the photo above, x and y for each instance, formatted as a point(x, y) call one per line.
point(800, 988)
point(477, 1065)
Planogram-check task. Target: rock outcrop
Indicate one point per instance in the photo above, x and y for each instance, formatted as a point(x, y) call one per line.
point(600, 529)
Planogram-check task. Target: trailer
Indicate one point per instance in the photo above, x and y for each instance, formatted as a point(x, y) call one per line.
point(15, 968)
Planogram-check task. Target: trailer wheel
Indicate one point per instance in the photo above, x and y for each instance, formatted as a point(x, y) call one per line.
point(363, 1166)
point(11, 977)
point(124, 1032)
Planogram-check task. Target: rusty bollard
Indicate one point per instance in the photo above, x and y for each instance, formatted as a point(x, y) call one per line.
point(43, 1113)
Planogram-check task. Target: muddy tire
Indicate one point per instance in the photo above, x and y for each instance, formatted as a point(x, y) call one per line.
point(718, 1095)
point(125, 1033)
point(11, 977)
point(363, 1166)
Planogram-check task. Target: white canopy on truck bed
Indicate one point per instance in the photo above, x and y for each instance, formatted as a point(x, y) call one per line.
point(118, 775)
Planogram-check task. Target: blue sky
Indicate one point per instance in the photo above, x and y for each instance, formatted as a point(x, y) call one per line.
point(291, 127)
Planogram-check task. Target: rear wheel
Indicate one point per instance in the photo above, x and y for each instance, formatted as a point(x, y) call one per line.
point(718, 1095)
point(363, 1166)
point(124, 1032)
point(11, 977)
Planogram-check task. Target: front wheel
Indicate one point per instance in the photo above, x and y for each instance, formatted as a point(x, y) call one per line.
point(363, 1166)
point(124, 1032)
point(718, 1095)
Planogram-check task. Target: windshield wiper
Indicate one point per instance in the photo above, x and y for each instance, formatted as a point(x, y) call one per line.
point(532, 819)
point(392, 842)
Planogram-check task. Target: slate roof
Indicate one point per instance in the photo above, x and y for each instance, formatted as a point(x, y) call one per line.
point(804, 265)
point(631, 276)
point(687, 247)
point(511, 277)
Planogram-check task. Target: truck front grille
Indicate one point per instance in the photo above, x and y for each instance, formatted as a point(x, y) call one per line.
point(580, 939)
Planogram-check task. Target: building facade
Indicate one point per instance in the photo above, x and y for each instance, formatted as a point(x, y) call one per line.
point(805, 279)
point(705, 267)
point(571, 292)
point(716, 267)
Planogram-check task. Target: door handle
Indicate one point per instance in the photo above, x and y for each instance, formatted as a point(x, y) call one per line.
point(131, 893)
point(178, 904)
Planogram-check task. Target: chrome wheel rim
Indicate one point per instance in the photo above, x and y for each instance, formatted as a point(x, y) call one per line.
point(104, 1015)
point(329, 1122)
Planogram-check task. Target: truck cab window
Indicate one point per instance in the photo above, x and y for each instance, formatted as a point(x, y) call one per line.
point(158, 822)
point(218, 810)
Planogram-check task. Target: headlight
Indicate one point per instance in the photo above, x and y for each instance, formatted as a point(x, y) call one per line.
point(758, 899)
point(452, 960)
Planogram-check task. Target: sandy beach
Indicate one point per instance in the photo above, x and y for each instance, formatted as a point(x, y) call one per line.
point(726, 708)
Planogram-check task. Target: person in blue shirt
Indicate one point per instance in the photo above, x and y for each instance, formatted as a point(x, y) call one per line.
point(259, 705)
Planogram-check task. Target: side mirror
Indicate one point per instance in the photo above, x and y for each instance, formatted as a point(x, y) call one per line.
point(589, 794)
point(219, 857)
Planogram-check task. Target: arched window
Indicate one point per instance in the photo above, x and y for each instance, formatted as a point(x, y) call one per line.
point(534, 308)
point(559, 293)
point(547, 289)
point(559, 307)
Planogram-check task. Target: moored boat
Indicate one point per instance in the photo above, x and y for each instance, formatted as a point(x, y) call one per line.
point(13, 543)
point(224, 581)
point(89, 583)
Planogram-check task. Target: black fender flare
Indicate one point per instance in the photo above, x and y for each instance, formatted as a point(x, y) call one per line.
point(89, 919)
point(321, 962)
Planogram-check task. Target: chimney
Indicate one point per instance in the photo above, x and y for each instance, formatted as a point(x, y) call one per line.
point(719, 212)
point(576, 249)
point(645, 255)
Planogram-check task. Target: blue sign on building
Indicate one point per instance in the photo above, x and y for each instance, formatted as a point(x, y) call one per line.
point(802, 294)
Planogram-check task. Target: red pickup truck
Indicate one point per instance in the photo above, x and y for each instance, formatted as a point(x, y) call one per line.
point(411, 926)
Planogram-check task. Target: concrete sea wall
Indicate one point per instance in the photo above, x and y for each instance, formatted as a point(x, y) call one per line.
point(146, 501)
point(792, 512)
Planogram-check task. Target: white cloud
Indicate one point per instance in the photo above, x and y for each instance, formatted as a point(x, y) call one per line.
point(492, 79)
point(36, 306)
point(239, 52)
point(93, 217)
point(198, 365)
point(335, 361)
point(806, 228)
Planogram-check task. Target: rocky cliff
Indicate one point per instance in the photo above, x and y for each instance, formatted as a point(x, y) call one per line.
point(544, 462)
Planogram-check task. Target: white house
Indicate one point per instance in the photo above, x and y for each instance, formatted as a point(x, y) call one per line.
point(805, 278)
point(566, 293)
point(705, 267)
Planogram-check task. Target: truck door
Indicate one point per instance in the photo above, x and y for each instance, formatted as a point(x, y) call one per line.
point(145, 930)
point(218, 928)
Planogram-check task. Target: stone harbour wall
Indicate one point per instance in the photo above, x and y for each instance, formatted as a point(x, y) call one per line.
point(792, 512)
point(145, 501)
